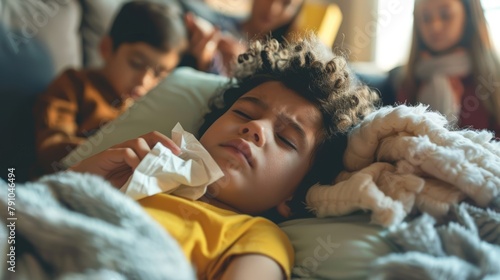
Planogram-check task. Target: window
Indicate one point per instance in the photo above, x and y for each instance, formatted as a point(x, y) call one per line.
point(395, 25)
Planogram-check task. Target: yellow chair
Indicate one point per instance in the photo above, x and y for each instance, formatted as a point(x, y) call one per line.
point(322, 18)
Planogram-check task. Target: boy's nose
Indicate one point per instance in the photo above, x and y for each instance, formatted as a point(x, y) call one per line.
point(253, 131)
point(144, 78)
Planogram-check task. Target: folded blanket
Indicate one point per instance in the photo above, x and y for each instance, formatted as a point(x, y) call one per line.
point(77, 226)
point(466, 246)
point(405, 159)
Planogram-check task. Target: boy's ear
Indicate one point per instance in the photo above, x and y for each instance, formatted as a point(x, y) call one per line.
point(106, 47)
point(284, 209)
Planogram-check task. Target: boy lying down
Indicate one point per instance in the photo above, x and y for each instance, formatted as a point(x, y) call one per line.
point(274, 133)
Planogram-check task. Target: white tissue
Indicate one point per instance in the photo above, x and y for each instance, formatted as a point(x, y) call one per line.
point(186, 175)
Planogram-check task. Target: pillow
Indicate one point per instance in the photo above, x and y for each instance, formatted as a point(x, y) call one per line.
point(337, 247)
point(182, 97)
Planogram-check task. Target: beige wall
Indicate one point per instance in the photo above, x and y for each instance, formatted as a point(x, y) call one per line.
point(358, 29)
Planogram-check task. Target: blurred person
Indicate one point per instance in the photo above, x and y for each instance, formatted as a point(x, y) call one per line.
point(214, 46)
point(453, 66)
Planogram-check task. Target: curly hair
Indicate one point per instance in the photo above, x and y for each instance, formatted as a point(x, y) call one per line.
point(310, 69)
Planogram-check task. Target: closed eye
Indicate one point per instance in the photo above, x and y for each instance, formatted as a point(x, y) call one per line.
point(240, 113)
point(287, 142)
point(137, 65)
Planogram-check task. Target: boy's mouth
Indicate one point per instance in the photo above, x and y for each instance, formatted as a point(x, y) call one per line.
point(242, 147)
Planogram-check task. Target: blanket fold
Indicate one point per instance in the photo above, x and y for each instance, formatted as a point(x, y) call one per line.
point(404, 159)
point(460, 248)
point(77, 226)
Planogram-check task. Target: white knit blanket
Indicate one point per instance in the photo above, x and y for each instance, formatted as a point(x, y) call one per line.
point(405, 159)
point(77, 226)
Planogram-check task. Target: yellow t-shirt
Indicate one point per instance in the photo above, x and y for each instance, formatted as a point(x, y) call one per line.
point(210, 236)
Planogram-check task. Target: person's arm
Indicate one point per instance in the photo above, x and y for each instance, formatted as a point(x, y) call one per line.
point(203, 40)
point(117, 163)
point(253, 266)
point(55, 120)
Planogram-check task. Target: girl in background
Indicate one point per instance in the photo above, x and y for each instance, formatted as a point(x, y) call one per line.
point(453, 66)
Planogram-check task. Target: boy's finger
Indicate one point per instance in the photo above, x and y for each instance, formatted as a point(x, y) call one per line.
point(154, 137)
point(131, 158)
point(139, 145)
point(120, 156)
point(190, 21)
point(209, 43)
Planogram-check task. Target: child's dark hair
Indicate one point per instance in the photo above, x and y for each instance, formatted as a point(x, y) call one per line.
point(160, 26)
point(310, 69)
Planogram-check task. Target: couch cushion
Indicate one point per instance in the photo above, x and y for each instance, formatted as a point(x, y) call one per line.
point(53, 23)
point(26, 69)
point(38, 39)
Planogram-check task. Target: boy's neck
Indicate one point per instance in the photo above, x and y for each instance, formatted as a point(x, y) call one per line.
point(207, 198)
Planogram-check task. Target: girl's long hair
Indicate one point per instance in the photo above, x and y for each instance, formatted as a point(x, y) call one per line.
point(477, 42)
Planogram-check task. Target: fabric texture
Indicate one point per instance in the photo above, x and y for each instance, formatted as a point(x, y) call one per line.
point(181, 98)
point(210, 236)
point(77, 226)
point(401, 160)
point(466, 246)
point(72, 108)
point(448, 85)
point(439, 88)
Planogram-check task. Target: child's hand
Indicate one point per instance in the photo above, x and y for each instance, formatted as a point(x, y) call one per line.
point(203, 40)
point(117, 163)
point(230, 49)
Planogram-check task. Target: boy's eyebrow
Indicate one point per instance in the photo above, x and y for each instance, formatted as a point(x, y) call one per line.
point(140, 55)
point(284, 118)
point(146, 58)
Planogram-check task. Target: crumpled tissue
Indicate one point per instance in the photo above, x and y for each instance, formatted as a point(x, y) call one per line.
point(186, 175)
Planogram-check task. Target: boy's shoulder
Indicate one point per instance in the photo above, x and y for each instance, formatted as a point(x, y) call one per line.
point(78, 78)
point(76, 74)
point(74, 83)
point(70, 77)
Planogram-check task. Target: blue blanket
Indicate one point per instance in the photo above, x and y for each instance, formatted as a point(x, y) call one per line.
point(77, 226)
point(464, 245)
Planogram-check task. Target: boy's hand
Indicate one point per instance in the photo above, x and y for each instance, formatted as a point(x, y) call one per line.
point(117, 163)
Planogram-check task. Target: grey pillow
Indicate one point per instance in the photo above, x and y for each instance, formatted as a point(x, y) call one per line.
point(336, 247)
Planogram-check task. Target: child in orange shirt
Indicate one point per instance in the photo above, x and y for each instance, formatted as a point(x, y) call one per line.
point(143, 46)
